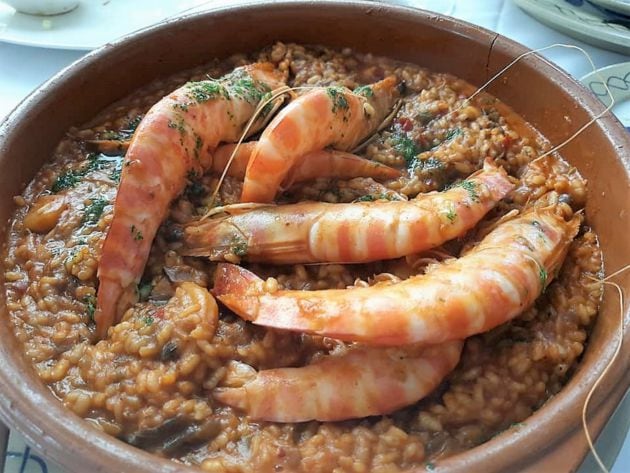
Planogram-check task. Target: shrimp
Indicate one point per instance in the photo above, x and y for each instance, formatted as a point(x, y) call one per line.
point(492, 283)
point(170, 143)
point(321, 163)
point(324, 116)
point(310, 232)
point(361, 382)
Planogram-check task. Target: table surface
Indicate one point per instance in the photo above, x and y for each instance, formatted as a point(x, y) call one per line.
point(23, 68)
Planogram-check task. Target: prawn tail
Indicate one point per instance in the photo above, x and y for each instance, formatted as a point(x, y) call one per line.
point(108, 313)
point(238, 289)
point(235, 397)
point(230, 279)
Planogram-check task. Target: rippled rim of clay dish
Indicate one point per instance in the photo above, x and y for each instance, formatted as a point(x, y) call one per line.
point(541, 93)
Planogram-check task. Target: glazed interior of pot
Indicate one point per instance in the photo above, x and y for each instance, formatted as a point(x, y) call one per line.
point(545, 97)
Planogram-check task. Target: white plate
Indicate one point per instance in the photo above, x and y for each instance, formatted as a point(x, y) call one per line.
point(617, 78)
point(582, 20)
point(93, 23)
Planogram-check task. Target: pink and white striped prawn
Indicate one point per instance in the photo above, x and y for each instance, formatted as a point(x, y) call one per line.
point(492, 283)
point(310, 232)
point(360, 382)
point(323, 117)
point(175, 138)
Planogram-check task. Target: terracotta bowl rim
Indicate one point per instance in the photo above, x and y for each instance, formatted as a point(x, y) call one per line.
point(17, 413)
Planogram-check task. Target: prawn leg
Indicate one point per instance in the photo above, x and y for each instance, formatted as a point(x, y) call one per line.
point(492, 283)
point(375, 382)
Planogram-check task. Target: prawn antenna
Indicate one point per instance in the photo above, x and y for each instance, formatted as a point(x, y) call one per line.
point(589, 440)
point(536, 51)
point(261, 106)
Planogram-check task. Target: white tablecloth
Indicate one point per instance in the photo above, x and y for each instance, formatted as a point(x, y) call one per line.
point(22, 69)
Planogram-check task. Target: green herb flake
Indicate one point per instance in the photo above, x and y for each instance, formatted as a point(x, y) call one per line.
point(239, 246)
point(130, 129)
point(542, 275)
point(338, 98)
point(136, 233)
point(268, 107)
point(430, 466)
point(471, 188)
point(66, 180)
point(451, 215)
point(373, 197)
point(245, 88)
point(181, 106)
point(451, 134)
point(90, 306)
point(206, 90)
point(148, 320)
point(93, 212)
point(116, 172)
point(364, 90)
point(406, 147)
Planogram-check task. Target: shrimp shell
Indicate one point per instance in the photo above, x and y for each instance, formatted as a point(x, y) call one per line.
point(310, 232)
point(359, 383)
point(171, 142)
point(321, 163)
point(324, 116)
point(494, 282)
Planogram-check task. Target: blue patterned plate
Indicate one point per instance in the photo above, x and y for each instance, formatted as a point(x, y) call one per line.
point(582, 20)
point(617, 78)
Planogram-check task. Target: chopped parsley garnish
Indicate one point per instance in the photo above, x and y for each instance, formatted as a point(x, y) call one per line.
point(239, 246)
point(338, 98)
point(179, 126)
point(93, 212)
point(131, 127)
point(148, 320)
point(90, 305)
point(115, 174)
point(470, 187)
point(95, 162)
point(268, 107)
point(451, 215)
point(542, 275)
point(452, 133)
point(206, 90)
point(137, 234)
point(244, 87)
point(406, 147)
point(364, 90)
point(66, 180)
point(181, 106)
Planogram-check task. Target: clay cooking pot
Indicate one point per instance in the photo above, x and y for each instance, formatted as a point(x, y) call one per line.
point(545, 96)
